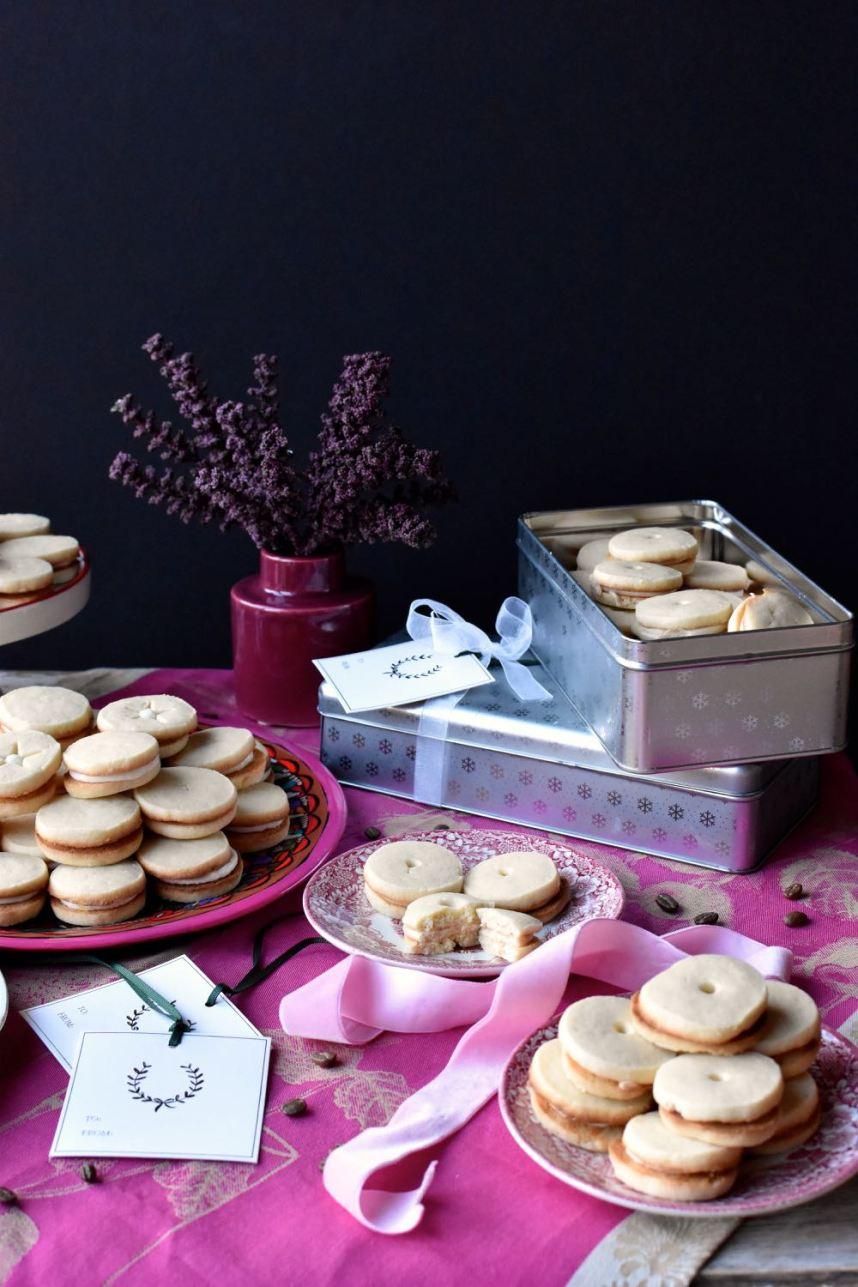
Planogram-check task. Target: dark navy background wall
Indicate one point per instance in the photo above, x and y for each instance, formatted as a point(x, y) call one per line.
point(608, 243)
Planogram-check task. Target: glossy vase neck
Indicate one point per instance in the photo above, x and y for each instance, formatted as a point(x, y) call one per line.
point(314, 574)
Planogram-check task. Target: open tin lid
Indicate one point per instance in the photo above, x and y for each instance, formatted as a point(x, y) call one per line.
point(492, 718)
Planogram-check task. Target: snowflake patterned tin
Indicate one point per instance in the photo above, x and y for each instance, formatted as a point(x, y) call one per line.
point(541, 766)
point(679, 703)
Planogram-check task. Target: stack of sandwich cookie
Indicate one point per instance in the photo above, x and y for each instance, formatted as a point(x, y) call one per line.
point(28, 771)
point(654, 1160)
point(398, 873)
point(60, 712)
point(16, 525)
point(22, 578)
point(711, 574)
point(522, 881)
point(602, 1052)
point(89, 833)
point(261, 818)
point(720, 1099)
point(187, 803)
point(438, 923)
point(590, 1121)
point(23, 884)
point(187, 871)
point(59, 551)
point(170, 720)
point(683, 615)
point(18, 835)
point(798, 1117)
point(620, 583)
point(97, 895)
point(666, 546)
point(106, 764)
point(706, 1004)
point(231, 751)
point(506, 934)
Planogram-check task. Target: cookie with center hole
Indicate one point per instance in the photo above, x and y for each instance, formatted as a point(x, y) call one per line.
point(667, 546)
point(521, 881)
point(397, 873)
point(603, 1052)
point(439, 923)
point(683, 614)
point(651, 1159)
point(702, 1000)
point(720, 1099)
point(590, 1121)
point(621, 583)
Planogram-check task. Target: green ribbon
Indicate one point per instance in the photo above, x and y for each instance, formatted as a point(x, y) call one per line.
point(258, 973)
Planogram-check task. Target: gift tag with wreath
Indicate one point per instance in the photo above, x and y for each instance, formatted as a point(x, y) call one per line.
point(133, 1095)
point(400, 674)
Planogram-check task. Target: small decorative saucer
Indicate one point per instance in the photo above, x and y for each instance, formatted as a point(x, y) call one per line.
point(336, 906)
point(765, 1184)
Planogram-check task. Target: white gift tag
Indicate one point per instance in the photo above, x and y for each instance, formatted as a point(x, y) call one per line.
point(134, 1095)
point(114, 1007)
point(400, 675)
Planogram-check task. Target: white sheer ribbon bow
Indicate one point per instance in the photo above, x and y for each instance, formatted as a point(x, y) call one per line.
point(449, 633)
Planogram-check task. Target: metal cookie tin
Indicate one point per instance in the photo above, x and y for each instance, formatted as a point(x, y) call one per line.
point(541, 766)
point(677, 703)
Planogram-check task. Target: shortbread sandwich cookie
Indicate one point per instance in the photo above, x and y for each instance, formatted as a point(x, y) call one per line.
point(109, 763)
point(620, 583)
point(668, 546)
point(59, 551)
point(702, 1003)
point(170, 720)
point(89, 833)
point(799, 1114)
point(603, 1053)
point(231, 751)
point(771, 610)
point(521, 881)
point(590, 1121)
point(508, 935)
point(18, 835)
point(760, 575)
point(438, 923)
point(651, 1159)
point(13, 526)
point(97, 895)
point(682, 614)
point(28, 767)
point(711, 574)
point(186, 803)
point(63, 713)
point(397, 873)
point(791, 1031)
point(22, 575)
point(23, 885)
point(261, 818)
point(187, 871)
point(592, 553)
point(720, 1099)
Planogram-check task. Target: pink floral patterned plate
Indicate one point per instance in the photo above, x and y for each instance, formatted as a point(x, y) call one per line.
point(336, 906)
point(765, 1184)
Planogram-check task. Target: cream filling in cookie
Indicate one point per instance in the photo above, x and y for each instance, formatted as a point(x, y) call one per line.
point(20, 898)
point(123, 775)
point(118, 900)
point(209, 876)
point(260, 826)
point(242, 764)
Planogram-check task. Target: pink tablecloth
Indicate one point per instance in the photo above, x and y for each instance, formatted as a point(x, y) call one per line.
point(492, 1216)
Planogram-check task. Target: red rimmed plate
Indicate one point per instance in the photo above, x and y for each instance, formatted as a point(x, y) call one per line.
point(318, 816)
point(336, 906)
point(35, 613)
point(765, 1184)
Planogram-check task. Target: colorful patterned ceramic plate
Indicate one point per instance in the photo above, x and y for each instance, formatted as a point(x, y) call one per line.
point(336, 906)
point(318, 817)
point(765, 1184)
point(35, 613)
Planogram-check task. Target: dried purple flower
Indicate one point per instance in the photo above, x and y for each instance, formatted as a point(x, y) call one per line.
point(365, 481)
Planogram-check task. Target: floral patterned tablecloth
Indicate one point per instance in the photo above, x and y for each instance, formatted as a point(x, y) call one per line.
point(492, 1217)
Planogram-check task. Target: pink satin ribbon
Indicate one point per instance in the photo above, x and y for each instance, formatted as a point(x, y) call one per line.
point(359, 998)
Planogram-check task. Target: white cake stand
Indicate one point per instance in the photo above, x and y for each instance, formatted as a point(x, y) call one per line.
point(48, 608)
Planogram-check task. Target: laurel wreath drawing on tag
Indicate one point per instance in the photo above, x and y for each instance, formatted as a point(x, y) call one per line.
point(398, 668)
point(132, 1020)
point(136, 1078)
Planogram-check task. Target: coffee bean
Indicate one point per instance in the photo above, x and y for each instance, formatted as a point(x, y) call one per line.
point(706, 918)
point(667, 904)
point(372, 833)
point(294, 1107)
point(795, 890)
point(8, 1198)
point(795, 919)
point(324, 1058)
point(89, 1173)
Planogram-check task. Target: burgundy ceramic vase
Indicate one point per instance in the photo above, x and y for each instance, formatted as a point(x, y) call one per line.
point(295, 609)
